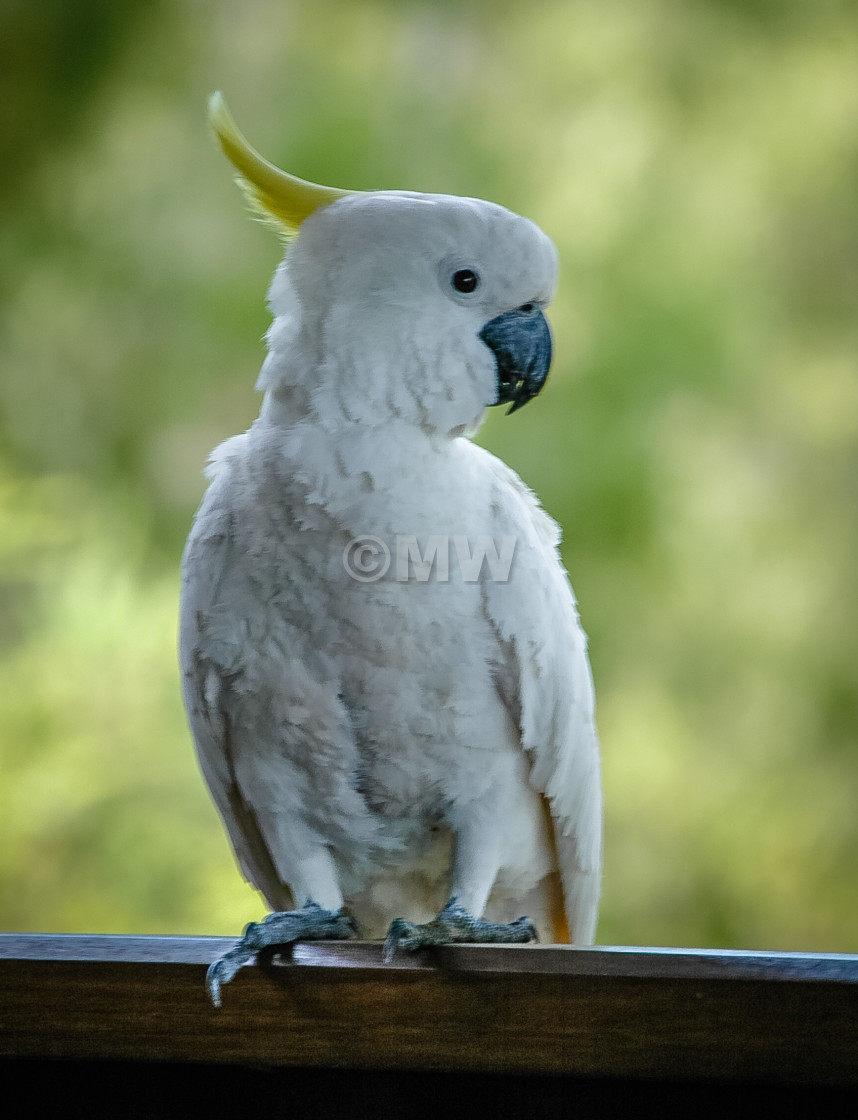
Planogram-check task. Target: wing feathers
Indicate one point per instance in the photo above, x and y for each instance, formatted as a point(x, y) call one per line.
point(536, 620)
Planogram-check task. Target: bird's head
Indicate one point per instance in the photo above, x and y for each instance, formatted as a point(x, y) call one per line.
point(389, 304)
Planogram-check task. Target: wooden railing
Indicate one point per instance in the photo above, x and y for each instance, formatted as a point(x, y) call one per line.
point(617, 1015)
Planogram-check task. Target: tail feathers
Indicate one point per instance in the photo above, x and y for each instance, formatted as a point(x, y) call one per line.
point(575, 888)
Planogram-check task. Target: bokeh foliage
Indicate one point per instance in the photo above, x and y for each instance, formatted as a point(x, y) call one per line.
point(697, 164)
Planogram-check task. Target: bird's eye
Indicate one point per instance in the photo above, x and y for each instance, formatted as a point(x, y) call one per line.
point(465, 280)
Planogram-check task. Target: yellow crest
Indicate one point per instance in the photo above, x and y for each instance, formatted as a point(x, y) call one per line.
point(277, 194)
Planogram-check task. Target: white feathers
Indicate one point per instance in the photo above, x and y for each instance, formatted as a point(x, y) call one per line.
point(389, 741)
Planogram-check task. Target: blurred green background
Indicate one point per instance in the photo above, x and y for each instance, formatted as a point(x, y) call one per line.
point(697, 165)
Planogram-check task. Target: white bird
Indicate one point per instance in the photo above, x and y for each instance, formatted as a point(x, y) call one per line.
point(383, 666)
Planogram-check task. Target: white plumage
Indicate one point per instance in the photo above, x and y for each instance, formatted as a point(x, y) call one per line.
point(384, 743)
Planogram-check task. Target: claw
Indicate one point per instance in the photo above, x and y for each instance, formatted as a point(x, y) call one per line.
point(401, 935)
point(223, 970)
point(312, 923)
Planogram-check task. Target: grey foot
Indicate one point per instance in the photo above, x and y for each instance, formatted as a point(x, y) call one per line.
point(455, 924)
point(311, 923)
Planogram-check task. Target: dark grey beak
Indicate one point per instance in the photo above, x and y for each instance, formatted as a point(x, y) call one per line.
point(521, 343)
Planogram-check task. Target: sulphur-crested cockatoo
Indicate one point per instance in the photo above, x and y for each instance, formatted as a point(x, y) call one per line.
point(383, 666)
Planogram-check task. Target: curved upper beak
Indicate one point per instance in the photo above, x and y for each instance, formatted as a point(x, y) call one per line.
point(521, 343)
